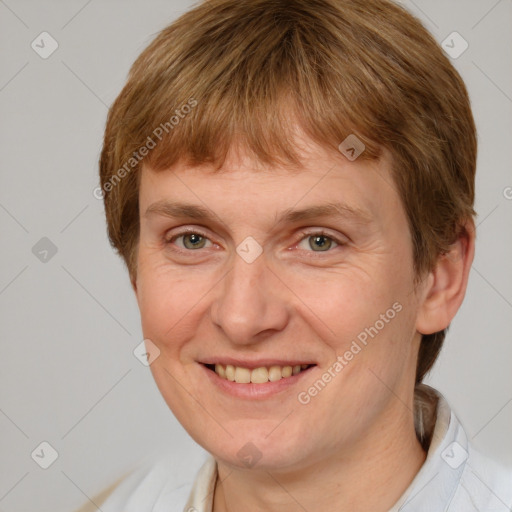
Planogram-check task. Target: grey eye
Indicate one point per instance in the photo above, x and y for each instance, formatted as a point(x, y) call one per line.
point(193, 241)
point(318, 243)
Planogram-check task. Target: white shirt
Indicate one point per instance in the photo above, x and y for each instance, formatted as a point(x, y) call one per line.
point(454, 478)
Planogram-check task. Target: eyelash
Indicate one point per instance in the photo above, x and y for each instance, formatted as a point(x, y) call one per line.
point(302, 236)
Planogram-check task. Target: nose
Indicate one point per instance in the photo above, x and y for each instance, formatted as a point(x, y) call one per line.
point(250, 303)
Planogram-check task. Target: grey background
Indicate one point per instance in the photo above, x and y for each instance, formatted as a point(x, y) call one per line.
point(69, 325)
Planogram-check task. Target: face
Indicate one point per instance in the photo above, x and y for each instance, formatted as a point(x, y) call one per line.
point(256, 272)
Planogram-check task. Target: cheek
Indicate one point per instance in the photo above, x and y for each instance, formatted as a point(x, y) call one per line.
point(366, 318)
point(339, 303)
point(169, 303)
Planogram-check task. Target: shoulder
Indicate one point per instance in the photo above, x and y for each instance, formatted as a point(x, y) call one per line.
point(485, 484)
point(459, 477)
point(156, 484)
point(151, 483)
point(93, 504)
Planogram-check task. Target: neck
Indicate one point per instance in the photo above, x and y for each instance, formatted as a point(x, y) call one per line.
point(371, 475)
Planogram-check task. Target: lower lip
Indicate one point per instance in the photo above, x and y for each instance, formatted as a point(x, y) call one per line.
point(254, 391)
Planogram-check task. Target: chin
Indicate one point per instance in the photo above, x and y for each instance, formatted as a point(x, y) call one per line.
point(259, 450)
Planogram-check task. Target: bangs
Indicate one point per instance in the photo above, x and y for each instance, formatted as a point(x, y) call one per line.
point(270, 129)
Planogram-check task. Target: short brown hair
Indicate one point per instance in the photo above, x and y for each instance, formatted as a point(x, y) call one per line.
point(249, 69)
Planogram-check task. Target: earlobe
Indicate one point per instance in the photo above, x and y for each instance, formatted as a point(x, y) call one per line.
point(446, 284)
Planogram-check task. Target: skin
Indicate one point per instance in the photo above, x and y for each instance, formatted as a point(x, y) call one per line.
point(353, 446)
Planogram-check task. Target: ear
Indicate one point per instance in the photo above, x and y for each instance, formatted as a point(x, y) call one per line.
point(133, 270)
point(134, 285)
point(445, 286)
point(133, 281)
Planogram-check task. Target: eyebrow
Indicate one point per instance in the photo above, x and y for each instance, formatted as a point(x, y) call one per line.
point(184, 210)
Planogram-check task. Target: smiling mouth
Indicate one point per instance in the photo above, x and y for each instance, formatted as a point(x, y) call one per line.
point(260, 375)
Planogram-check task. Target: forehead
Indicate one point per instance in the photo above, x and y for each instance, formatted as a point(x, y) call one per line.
point(325, 184)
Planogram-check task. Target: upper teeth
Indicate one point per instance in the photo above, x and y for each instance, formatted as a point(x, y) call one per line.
point(258, 375)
